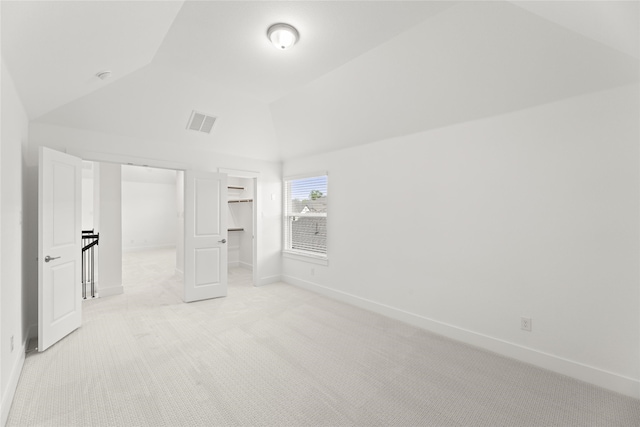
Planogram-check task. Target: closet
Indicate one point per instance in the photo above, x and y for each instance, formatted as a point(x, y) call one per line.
point(240, 222)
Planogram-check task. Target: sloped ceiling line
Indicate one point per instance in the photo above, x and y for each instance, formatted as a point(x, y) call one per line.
point(363, 71)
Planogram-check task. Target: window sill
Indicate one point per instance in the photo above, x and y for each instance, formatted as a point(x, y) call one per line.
point(298, 256)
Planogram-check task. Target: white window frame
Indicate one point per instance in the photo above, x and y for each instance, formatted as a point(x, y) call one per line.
point(322, 259)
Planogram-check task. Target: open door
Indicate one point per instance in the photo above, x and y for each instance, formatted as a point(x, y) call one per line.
point(59, 246)
point(205, 235)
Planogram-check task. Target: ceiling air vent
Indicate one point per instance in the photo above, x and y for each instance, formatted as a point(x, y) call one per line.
point(201, 122)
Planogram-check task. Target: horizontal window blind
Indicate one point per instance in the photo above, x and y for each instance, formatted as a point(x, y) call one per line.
point(305, 217)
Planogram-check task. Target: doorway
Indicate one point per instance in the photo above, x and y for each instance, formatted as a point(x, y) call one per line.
point(145, 218)
point(241, 227)
point(205, 232)
point(149, 228)
point(152, 215)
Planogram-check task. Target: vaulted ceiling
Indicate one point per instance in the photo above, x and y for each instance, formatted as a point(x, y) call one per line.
point(361, 72)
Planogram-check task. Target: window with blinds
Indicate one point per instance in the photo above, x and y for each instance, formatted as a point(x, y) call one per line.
point(305, 216)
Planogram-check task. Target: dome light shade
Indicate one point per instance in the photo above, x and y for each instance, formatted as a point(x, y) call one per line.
point(282, 36)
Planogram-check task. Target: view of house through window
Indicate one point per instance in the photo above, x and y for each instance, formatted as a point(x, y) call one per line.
point(305, 217)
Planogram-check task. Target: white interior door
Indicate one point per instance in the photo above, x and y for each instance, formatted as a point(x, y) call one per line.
point(59, 246)
point(205, 235)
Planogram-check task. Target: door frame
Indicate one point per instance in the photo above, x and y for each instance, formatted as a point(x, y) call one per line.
point(94, 156)
point(257, 224)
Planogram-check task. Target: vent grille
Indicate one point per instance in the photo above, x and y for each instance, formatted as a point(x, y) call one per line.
point(201, 122)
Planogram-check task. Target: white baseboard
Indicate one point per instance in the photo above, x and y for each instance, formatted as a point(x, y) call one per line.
point(12, 385)
point(240, 264)
point(609, 380)
point(269, 280)
point(179, 274)
point(143, 248)
point(110, 291)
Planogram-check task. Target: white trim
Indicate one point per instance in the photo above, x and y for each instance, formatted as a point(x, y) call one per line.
point(236, 173)
point(179, 274)
point(599, 377)
point(309, 215)
point(142, 248)
point(95, 156)
point(269, 280)
point(233, 264)
point(299, 256)
point(246, 265)
point(12, 385)
point(111, 290)
point(305, 175)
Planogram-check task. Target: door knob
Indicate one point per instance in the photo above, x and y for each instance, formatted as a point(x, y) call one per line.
point(222, 241)
point(48, 258)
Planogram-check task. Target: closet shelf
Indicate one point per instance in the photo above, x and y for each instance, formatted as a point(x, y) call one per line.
point(235, 229)
point(241, 201)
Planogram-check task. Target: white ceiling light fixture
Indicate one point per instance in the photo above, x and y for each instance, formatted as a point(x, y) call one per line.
point(283, 36)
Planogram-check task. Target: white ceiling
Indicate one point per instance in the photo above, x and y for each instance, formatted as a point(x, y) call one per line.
point(474, 60)
point(226, 43)
point(155, 103)
point(613, 23)
point(55, 48)
point(362, 71)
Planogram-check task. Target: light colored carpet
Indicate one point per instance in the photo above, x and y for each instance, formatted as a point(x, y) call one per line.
point(282, 356)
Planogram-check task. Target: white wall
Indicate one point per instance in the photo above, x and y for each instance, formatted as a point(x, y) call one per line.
point(473, 60)
point(109, 224)
point(148, 208)
point(13, 321)
point(87, 203)
point(180, 224)
point(87, 195)
point(2, 107)
point(110, 147)
point(464, 229)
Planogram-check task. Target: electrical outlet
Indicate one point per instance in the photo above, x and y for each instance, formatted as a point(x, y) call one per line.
point(12, 343)
point(313, 271)
point(525, 323)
